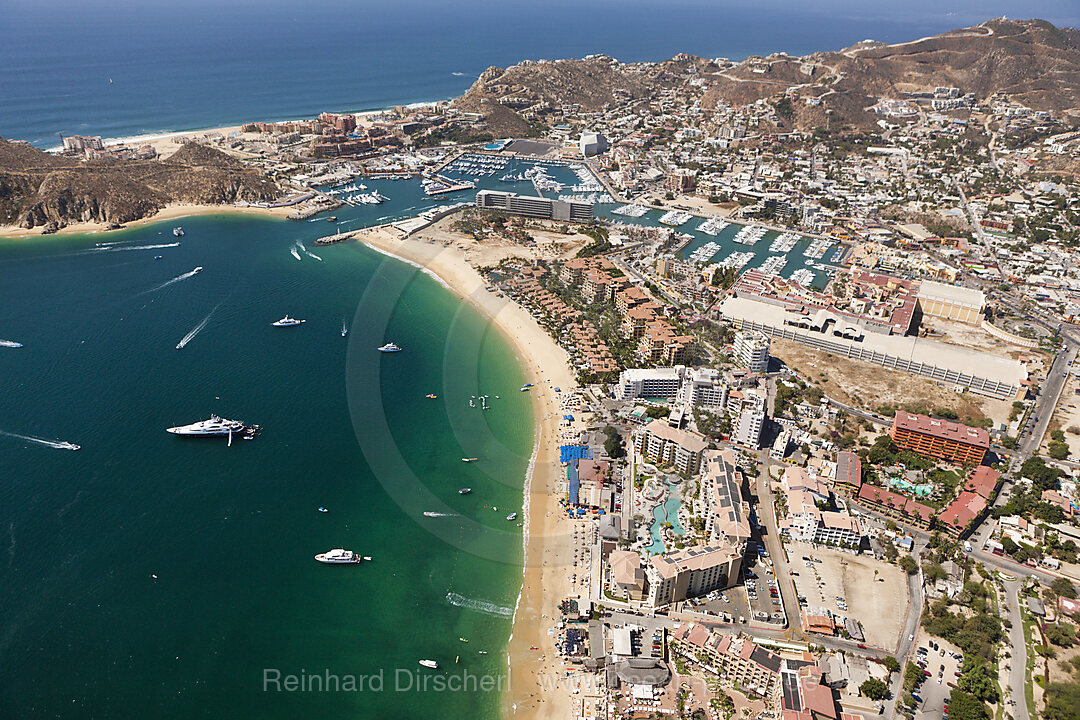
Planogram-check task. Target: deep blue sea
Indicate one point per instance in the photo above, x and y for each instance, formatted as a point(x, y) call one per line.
point(189, 65)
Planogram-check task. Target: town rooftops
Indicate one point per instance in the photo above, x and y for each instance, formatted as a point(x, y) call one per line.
point(945, 429)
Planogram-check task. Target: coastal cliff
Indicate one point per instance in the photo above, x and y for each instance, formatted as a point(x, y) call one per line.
point(38, 189)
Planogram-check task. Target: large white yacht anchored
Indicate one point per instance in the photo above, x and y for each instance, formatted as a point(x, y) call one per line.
point(287, 322)
point(214, 426)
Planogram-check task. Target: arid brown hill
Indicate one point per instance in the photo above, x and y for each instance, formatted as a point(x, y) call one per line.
point(37, 188)
point(1030, 61)
point(502, 95)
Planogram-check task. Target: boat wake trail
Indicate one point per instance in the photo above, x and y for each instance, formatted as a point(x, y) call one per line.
point(482, 606)
point(312, 255)
point(197, 329)
point(57, 444)
point(293, 251)
point(439, 514)
point(176, 279)
point(10, 344)
point(121, 248)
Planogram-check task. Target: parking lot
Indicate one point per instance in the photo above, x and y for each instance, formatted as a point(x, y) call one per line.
point(941, 667)
point(755, 599)
point(874, 592)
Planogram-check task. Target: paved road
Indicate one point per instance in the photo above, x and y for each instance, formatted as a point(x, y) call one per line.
point(1049, 394)
point(1018, 661)
point(766, 514)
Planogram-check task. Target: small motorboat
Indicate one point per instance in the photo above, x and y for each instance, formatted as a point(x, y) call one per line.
point(323, 510)
point(469, 459)
point(389, 348)
point(431, 396)
point(430, 664)
point(464, 491)
point(512, 516)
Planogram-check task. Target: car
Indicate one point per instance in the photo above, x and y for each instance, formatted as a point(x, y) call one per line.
point(861, 646)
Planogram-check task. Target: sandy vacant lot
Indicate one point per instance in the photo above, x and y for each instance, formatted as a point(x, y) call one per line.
point(1066, 415)
point(974, 337)
point(550, 245)
point(880, 604)
point(868, 386)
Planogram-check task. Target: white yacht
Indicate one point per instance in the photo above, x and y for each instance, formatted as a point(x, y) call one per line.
point(214, 426)
point(389, 347)
point(338, 556)
point(430, 664)
point(178, 232)
point(287, 322)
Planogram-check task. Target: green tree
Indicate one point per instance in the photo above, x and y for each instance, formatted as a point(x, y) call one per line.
point(874, 689)
point(613, 444)
point(891, 663)
point(1062, 701)
point(965, 706)
point(1063, 588)
point(976, 680)
point(908, 565)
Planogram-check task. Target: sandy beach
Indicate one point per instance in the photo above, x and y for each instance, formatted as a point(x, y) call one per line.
point(169, 212)
point(535, 687)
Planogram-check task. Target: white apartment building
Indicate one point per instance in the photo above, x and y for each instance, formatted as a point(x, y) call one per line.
point(752, 350)
point(751, 420)
point(691, 572)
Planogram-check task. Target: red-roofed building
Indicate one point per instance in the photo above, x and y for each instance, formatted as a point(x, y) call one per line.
point(961, 512)
point(983, 481)
point(896, 505)
point(942, 439)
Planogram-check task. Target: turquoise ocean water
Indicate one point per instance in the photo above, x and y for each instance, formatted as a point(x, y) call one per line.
point(85, 628)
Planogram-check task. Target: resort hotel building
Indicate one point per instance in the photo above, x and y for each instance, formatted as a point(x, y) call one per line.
point(537, 207)
point(942, 439)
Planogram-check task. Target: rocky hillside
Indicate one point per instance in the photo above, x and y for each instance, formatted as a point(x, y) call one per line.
point(509, 99)
point(39, 189)
point(1031, 62)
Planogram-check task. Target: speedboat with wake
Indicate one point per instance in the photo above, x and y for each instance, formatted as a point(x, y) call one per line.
point(287, 322)
point(340, 556)
point(178, 232)
point(209, 428)
point(10, 344)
